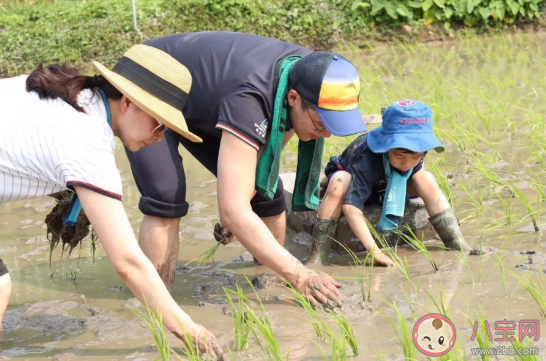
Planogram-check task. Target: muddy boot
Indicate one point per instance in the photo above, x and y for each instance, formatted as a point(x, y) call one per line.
point(323, 233)
point(447, 226)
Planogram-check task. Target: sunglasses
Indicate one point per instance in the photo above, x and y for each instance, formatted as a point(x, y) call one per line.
point(317, 129)
point(160, 128)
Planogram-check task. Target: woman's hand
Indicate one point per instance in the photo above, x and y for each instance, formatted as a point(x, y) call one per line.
point(318, 288)
point(203, 341)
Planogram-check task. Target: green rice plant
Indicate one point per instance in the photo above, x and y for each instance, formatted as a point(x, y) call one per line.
point(440, 306)
point(537, 289)
point(518, 345)
point(482, 337)
point(347, 331)
point(507, 208)
point(318, 324)
point(418, 245)
point(206, 256)
point(360, 270)
point(241, 323)
point(532, 212)
point(154, 323)
point(442, 181)
point(500, 263)
point(476, 202)
point(263, 331)
point(404, 335)
point(338, 345)
point(487, 173)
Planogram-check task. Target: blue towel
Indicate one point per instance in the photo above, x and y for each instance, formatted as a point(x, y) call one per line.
point(395, 196)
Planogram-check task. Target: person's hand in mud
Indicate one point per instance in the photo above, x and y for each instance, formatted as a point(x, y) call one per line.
point(319, 289)
point(222, 234)
point(383, 260)
point(204, 341)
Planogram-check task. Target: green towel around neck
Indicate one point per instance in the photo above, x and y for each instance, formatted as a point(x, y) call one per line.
point(306, 187)
point(394, 202)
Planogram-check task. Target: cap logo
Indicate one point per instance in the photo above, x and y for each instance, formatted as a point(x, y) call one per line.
point(405, 103)
point(414, 121)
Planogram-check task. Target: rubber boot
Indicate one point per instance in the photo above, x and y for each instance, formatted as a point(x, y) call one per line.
point(323, 233)
point(447, 226)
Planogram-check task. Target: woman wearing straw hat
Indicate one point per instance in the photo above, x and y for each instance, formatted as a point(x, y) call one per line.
point(58, 129)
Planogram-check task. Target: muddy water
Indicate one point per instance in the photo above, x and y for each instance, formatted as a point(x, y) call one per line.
point(79, 310)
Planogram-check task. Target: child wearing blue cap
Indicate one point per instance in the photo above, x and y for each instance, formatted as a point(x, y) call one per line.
point(385, 165)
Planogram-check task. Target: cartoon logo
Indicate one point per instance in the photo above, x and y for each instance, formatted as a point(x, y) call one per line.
point(434, 335)
point(405, 102)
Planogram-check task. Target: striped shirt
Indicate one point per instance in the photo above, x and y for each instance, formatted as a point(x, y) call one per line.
point(47, 146)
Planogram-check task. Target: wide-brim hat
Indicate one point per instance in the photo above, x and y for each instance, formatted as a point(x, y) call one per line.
point(380, 141)
point(156, 82)
point(407, 124)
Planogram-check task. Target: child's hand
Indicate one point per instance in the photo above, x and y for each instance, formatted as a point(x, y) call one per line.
point(383, 259)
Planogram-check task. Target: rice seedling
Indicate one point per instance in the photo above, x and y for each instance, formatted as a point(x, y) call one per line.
point(487, 173)
point(347, 331)
point(476, 202)
point(500, 263)
point(440, 306)
point(532, 211)
point(483, 337)
point(241, 323)
point(404, 335)
point(418, 245)
point(154, 323)
point(263, 331)
point(318, 324)
point(442, 181)
point(360, 270)
point(537, 289)
point(206, 256)
point(528, 345)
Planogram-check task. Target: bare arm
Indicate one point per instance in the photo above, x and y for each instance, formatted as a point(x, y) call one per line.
point(358, 225)
point(236, 184)
point(110, 221)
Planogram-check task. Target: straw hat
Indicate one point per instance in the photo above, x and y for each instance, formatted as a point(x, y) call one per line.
point(156, 83)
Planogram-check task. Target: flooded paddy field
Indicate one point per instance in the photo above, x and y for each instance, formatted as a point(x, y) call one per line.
point(487, 97)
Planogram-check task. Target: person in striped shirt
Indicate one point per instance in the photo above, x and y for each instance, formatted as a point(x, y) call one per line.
point(58, 128)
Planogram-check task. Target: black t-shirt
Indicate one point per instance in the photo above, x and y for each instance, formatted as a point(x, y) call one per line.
point(232, 80)
point(367, 170)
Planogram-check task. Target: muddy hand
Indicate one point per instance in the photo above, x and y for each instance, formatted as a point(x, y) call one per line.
point(204, 341)
point(222, 234)
point(319, 289)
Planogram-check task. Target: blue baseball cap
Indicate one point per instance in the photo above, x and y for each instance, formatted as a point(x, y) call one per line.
point(406, 124)
point(331, 83)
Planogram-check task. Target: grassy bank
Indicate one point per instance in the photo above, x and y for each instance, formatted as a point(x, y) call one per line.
point(76, 31)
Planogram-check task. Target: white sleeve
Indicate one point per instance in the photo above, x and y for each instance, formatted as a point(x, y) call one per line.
point(90, 163)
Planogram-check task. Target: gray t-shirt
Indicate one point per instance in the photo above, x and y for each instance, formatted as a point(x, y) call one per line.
point(233, 86)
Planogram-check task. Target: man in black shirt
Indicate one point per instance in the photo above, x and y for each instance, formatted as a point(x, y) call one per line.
point(229, 118)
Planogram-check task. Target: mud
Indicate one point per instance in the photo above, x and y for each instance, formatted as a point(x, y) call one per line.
point(71, 236)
